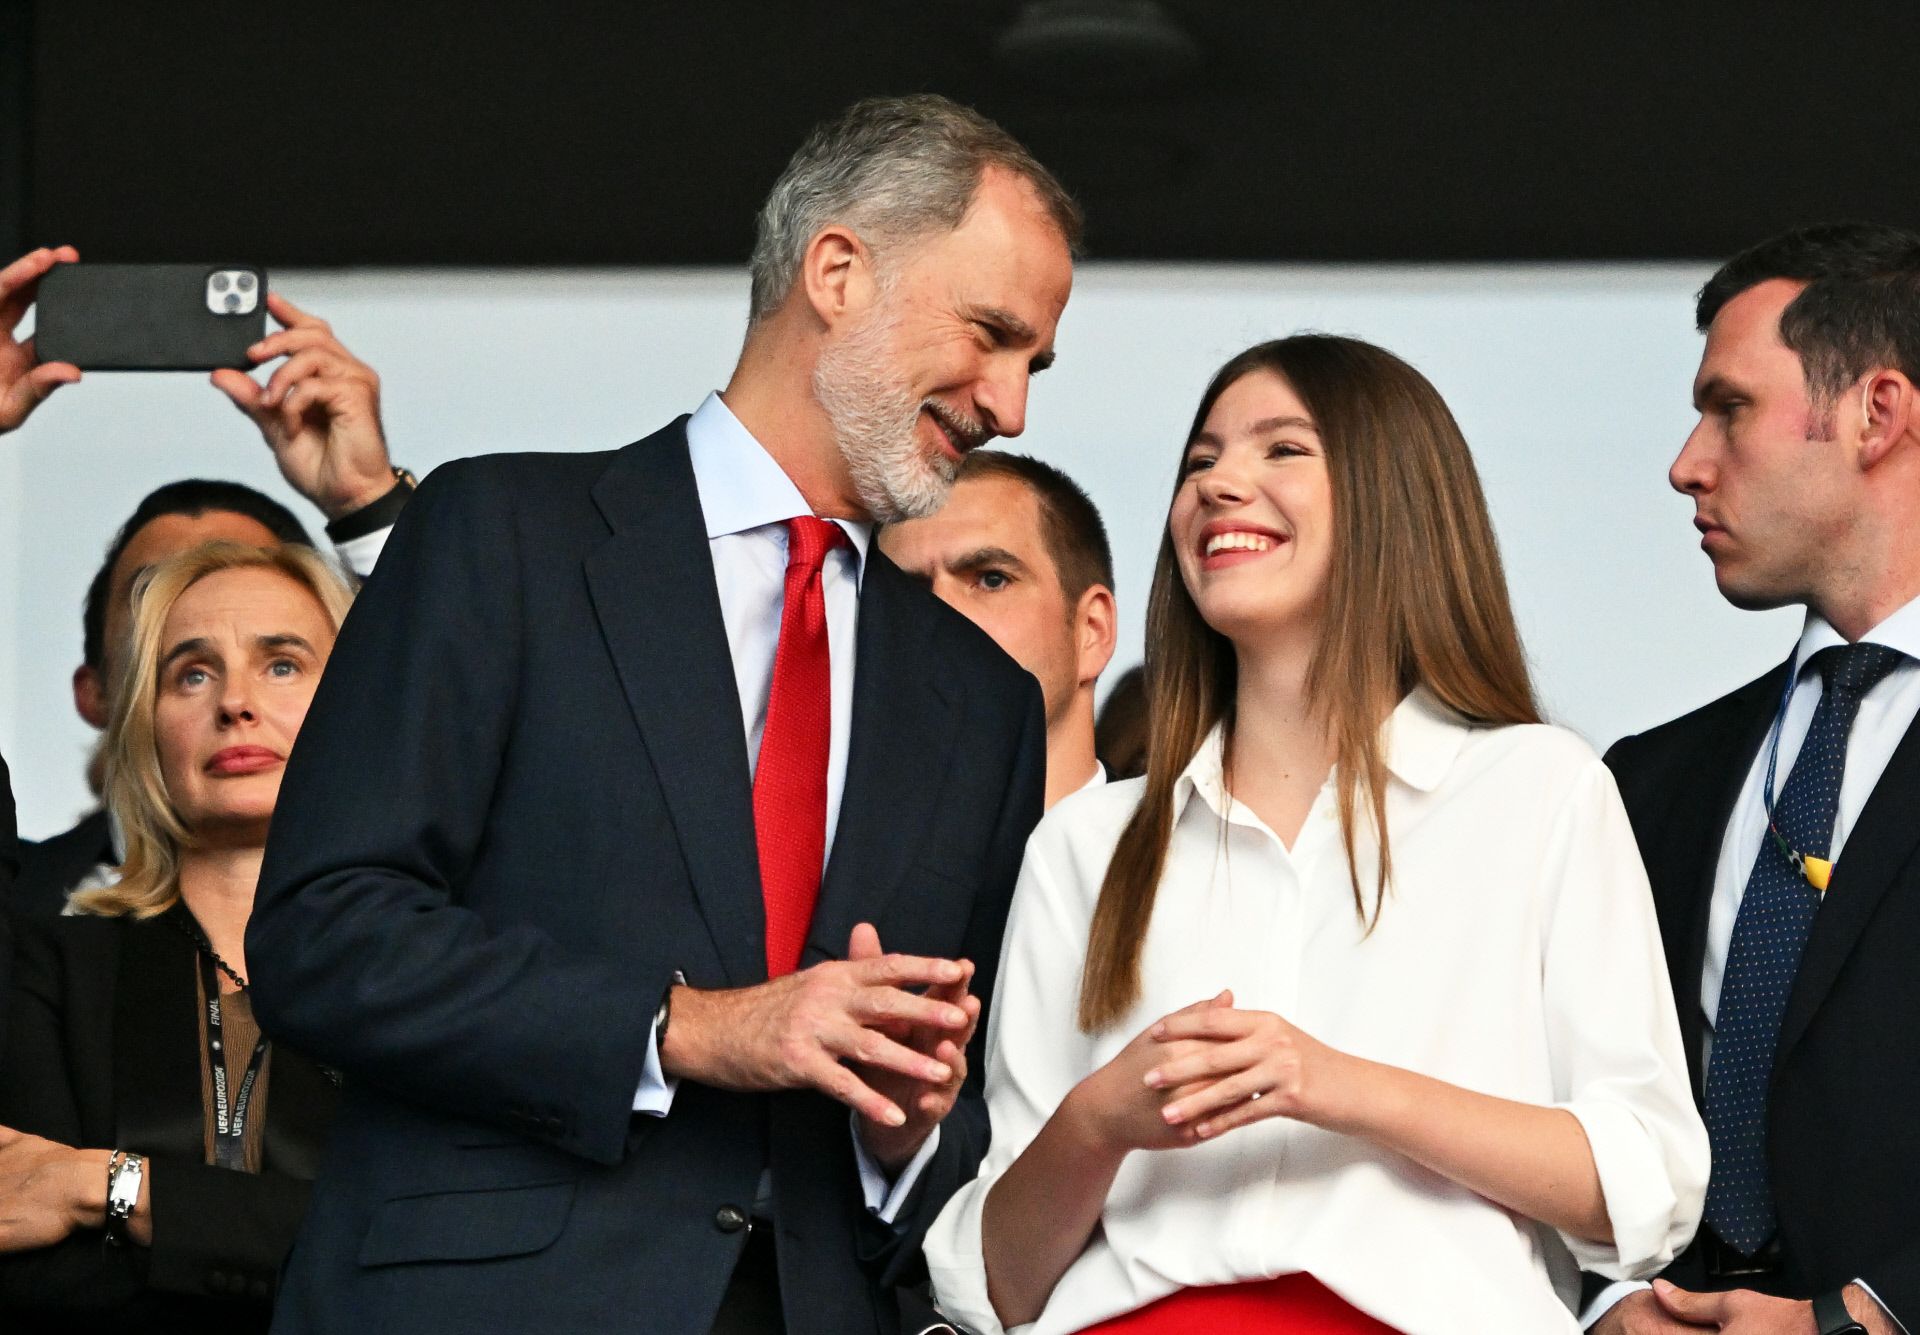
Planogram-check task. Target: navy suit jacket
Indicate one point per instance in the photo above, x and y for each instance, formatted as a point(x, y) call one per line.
point(519, 803)
point(1842, 1152)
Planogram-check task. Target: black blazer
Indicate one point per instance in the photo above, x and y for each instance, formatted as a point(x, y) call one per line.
point(1842, 1148)
point(103, 1052)
point(51, 867)
point(519, 803)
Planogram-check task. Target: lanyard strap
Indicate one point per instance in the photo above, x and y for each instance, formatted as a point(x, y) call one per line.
point(1779, 726)
point(229, 1117)
point(1817, 872)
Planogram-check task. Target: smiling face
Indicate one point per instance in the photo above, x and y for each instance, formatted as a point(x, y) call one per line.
point(240, 655)
point(1774, 496)
point(938, 364)
point(1252, 522)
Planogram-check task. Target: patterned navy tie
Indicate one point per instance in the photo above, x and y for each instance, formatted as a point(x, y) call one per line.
point(1769, 934)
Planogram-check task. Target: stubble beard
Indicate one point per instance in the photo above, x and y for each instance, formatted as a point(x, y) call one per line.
point(873, 414)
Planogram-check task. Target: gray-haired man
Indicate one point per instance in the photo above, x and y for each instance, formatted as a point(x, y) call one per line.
point(599, 931)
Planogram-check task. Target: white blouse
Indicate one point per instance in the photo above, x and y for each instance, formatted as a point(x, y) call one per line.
point(1517, 954)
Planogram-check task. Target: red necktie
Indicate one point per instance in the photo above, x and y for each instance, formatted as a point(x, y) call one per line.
point(790, 778)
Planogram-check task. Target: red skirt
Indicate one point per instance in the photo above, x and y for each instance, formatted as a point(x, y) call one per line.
point(1289, 1305)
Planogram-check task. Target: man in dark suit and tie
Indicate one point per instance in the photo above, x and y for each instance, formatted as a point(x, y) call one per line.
point(654, 758)
point(1781, 824)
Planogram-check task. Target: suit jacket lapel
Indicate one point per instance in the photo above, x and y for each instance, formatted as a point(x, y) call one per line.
point(157, 1040)
point(652, 585)
point(1881, 844)
point(1725, 758)
point(903, 717)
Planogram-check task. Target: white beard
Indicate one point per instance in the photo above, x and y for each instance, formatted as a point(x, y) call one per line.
point(873, 415)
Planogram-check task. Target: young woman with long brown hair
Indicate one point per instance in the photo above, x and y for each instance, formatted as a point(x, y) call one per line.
point(1369, 952)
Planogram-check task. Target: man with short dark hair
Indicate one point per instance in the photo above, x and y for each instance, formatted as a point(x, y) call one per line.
point(627, 772)
point(1778, 824)
point(1020, 550)
point(320, 415)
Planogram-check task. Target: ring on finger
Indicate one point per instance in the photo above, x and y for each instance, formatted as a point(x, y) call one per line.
point(1255, 1096)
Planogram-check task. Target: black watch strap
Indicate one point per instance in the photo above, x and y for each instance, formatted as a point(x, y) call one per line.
point(1831, 1317)
point(664, 1014)
point(375, 515)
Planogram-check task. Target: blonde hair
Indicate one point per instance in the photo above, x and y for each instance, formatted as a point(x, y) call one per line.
point(136, 790)
point(1415, 597)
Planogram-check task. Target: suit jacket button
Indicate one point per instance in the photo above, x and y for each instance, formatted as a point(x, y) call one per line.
point(217, 1281)
point(729, 1219)
point(259, 1288)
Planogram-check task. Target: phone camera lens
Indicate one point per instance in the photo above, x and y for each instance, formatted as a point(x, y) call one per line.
point(233, 302)
point(244, 282)
point(219, 282)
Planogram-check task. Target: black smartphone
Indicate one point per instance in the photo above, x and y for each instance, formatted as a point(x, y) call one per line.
point(150, 317)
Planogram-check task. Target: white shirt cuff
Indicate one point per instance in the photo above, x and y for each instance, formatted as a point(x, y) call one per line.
point(1867, 1289)
point(884, 1196)
point(1605, 1300)
point(360, 554)
point(655, 1095)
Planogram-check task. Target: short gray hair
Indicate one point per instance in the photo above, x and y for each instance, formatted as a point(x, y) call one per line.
point(891, 168)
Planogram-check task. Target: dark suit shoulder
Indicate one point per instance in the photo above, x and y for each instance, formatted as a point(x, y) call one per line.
point(523, 467)
point(956, 641)
point(525, 476)
point(50, 867)
point(555, 497)
point(1699, 731)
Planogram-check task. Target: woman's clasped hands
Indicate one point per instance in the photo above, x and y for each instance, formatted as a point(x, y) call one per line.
point(1204, 1070)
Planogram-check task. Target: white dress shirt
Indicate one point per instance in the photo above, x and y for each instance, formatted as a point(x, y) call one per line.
point(1886, 713)
point(361, 554)
point(747, 499)
point(1517, 954)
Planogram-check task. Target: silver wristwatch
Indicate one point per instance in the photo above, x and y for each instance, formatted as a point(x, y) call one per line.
point(124, 1173)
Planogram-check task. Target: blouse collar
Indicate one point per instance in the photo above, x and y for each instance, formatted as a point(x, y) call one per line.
point(1421, 739)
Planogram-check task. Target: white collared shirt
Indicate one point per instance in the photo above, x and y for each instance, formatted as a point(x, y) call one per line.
point(747, 499)
point(1517, 954)
point(1886, 713)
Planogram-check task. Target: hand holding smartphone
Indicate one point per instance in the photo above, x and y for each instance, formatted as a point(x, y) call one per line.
point(25, 378)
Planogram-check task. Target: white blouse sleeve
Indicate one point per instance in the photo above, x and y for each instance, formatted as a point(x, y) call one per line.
point(1036, 1054)
point(1618, 1064)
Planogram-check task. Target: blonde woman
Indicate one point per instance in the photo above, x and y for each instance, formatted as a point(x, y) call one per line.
point(1373, 1031)
point(155, 1148)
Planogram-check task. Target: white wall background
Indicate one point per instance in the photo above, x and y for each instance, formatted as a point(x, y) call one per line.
point(1570, 381)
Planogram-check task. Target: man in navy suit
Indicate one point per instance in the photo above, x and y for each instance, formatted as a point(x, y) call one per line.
point(1778, 823)
point(653, 928)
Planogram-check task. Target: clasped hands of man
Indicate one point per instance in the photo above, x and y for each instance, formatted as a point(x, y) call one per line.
point(1667, 1309)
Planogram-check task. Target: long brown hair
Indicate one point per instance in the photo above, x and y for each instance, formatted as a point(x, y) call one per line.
point(1415, 597)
